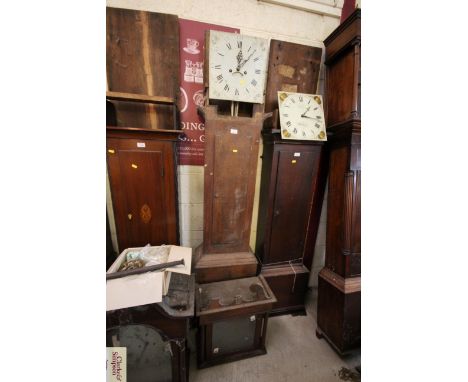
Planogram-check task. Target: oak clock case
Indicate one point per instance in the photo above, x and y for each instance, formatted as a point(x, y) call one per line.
point(237, 67)
point(301, 116)
point(234, 62)
point(231, 153)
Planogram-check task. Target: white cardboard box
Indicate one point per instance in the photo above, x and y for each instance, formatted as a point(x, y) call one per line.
point(145, 288)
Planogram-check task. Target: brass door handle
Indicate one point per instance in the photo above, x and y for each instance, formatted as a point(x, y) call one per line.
point(130, 216)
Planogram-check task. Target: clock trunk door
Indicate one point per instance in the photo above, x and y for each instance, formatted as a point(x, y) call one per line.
point(139, 196)
point(289, 218)
point(233, 154)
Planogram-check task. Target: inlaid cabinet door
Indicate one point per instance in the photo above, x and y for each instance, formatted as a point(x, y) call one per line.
point(296, 173)
point(141, 198)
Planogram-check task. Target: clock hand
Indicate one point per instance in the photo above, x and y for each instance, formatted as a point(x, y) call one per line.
point(318, 120)
point(248, 58)
point(303, 115)
point(239, 57)
point(142, 352)
point(146, 343)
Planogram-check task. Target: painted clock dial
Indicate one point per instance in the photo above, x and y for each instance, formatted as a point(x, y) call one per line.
point(148, 355)
point(237, 67)
point(301, 116)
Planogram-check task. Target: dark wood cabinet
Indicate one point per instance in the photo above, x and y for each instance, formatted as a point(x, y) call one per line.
point(291, 195)
point(231, 152)
point(339, 289)
point(142, 174)
point(232, 317)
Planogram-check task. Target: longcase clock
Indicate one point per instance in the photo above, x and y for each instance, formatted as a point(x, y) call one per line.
point(339, 288)
point(293, 174)
point(236, 74)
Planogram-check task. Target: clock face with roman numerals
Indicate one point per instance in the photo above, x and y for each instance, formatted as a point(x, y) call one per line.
point(237, 67)
point(301, 116)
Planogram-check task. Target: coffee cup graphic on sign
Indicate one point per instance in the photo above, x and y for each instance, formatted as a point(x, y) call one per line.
point(192, 46)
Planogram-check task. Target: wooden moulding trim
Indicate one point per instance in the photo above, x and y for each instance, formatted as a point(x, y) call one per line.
point(312, 6)
point(144, 98)
point(174, 134)
point(283, 270)
point(345, 285)
point(275, 137)
point(225, 259)
point(344, 38)
point(349, 126)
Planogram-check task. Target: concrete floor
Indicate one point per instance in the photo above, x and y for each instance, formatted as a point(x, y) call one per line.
point(294, 354)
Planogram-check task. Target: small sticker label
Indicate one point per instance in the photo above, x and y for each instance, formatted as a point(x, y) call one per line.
point(234, 150)
point(116, 364)
point(141, 144)
point(297, 154)
point(233, 131)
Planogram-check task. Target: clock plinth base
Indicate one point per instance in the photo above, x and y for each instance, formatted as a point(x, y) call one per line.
point(339, 310)
point(289, 284)
point(211, 267)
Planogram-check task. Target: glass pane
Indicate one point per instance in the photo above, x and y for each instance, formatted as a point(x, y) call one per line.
point(233, 335)
point(148, 356)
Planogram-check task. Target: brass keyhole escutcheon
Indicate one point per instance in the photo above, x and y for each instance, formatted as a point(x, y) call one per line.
point(130, 216)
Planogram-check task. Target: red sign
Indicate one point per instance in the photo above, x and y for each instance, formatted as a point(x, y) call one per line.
point(348, 7)
point(192, 53)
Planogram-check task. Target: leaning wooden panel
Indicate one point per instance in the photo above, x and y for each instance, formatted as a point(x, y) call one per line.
point(292, 67)
point(143, 58)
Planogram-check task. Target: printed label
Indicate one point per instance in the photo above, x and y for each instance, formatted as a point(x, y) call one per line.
point(116, 364)
point(297, 154)
point(141, 144)
point(233, 131)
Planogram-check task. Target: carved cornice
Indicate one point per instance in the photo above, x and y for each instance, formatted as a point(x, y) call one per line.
point(343, 38)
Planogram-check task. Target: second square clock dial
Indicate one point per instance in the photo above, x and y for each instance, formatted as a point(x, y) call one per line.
point(237, 67)
point(301, 116)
